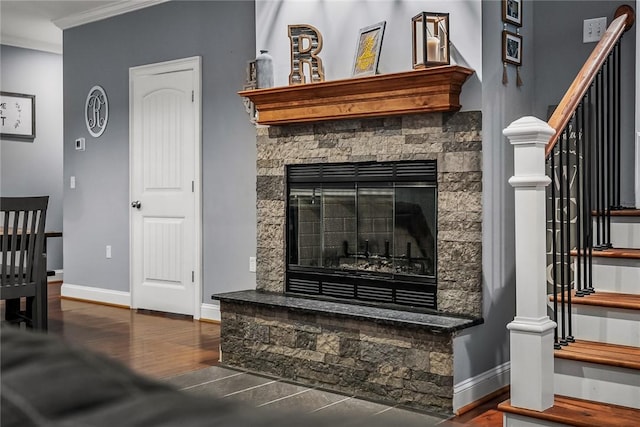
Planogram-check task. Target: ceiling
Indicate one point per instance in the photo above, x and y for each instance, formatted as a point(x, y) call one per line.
point(39, 24)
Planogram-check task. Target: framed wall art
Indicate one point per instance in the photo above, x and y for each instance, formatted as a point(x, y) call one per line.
point(512, 12)
point(96, 111)
point(18, 116)
point(511, 48)
point(368, 49)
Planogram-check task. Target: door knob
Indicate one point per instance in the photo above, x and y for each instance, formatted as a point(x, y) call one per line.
point(136, 204)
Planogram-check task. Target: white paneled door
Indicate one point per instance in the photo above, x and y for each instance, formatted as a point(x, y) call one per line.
point(164, 204)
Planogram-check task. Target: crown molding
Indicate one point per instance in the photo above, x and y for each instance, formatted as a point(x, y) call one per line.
point(29, 43)
point(104, 12)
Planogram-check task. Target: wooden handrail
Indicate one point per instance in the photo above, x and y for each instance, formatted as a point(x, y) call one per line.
point(624, 18)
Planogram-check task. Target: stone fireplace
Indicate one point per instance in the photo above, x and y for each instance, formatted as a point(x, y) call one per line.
point(452, 140)
point(369, 255)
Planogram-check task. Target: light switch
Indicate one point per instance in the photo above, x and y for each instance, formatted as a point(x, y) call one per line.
point(252, 264)
point(594, 29)
point(108, 252)
point(72, 182)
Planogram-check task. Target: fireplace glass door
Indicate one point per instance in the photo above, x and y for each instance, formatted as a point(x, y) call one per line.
point(364, 238)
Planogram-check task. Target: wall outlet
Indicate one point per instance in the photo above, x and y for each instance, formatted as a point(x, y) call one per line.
point(252, 264)
point(72, 182)
point(593, 29)
point(80, 144)
point(108, 251)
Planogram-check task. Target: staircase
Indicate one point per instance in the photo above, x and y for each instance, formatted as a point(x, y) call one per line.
point(588, 373)
point(603, 363)
point(597, 377)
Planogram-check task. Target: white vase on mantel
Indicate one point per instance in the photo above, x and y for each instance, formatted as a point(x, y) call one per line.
point(264, 70)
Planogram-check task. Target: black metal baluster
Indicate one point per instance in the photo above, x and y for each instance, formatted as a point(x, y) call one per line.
point(590, 148)
point(616, 127)
point(569, 192)
point(609, 148)
point(563, 247)
point(601, 174)
point(554, 247)
point(578, 206)
point(596, 150)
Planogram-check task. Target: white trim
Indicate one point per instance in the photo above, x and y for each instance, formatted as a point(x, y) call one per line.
point(210, 312)
point(475, 388)
point(192, 63)
point(90, 293)
point(29, 43)
point(103, 12)
point(56, 277)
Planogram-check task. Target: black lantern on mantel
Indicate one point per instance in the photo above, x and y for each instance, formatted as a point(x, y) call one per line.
point(430, 39)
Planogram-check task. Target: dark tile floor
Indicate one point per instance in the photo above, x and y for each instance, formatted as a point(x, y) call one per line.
point(266, 393)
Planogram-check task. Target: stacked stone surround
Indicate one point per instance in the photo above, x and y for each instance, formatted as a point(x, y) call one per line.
point(401, 363)
point(408, 366)
point(453, 139)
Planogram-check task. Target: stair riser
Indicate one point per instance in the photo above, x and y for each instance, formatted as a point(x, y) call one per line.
point(616, 275)
point(515, 420)
point(605, 324)
point(625, 232)
point(608, 384)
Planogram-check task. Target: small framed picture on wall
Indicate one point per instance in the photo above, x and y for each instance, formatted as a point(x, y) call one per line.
point(511, 48)
point(512, 12)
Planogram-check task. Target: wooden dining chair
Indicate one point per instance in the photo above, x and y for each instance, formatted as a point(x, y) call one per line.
point(22, 261)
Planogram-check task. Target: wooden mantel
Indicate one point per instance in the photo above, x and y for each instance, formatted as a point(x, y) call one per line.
point(418, 91)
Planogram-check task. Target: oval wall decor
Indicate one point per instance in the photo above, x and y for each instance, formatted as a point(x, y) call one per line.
point(96, 111)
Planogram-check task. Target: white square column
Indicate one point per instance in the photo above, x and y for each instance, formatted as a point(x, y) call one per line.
point(531, 333)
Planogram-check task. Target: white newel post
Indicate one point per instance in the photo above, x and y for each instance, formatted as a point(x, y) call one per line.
point(531, 330)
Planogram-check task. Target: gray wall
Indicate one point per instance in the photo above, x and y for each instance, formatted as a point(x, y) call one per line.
point(339, 22)
point(35, 168)
point(97, 211)
point(559, 25)
point(486, 346)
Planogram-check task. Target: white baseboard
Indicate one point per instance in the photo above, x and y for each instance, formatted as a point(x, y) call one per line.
point(475, 388)
point(210, 312)
point(58, 277)
point(105, 296)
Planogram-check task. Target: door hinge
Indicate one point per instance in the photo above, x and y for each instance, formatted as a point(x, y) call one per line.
point(193, 276)
point(193, 96)
point(193, 186)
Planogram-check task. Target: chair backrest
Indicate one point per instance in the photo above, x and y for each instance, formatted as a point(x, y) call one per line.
point(22, 238)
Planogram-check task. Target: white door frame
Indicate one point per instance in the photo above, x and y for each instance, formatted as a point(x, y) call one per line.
point(192, 63)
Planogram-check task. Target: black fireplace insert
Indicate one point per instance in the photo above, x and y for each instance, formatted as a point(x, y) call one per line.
point(364, 232)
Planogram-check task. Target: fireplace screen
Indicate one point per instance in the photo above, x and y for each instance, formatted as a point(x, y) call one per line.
point(363, 231)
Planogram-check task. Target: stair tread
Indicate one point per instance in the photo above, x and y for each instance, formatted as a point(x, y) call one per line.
point(628, 253)
point(579, 412)
point(622, 356)
point(626, 212)
point(620, 212)
point(606, 299)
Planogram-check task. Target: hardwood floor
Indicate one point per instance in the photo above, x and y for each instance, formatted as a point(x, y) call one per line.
point(150, 344)
point(162, 346)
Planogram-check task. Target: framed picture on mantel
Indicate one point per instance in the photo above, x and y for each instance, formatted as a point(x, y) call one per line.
point(368, 48)
point(18, 116)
